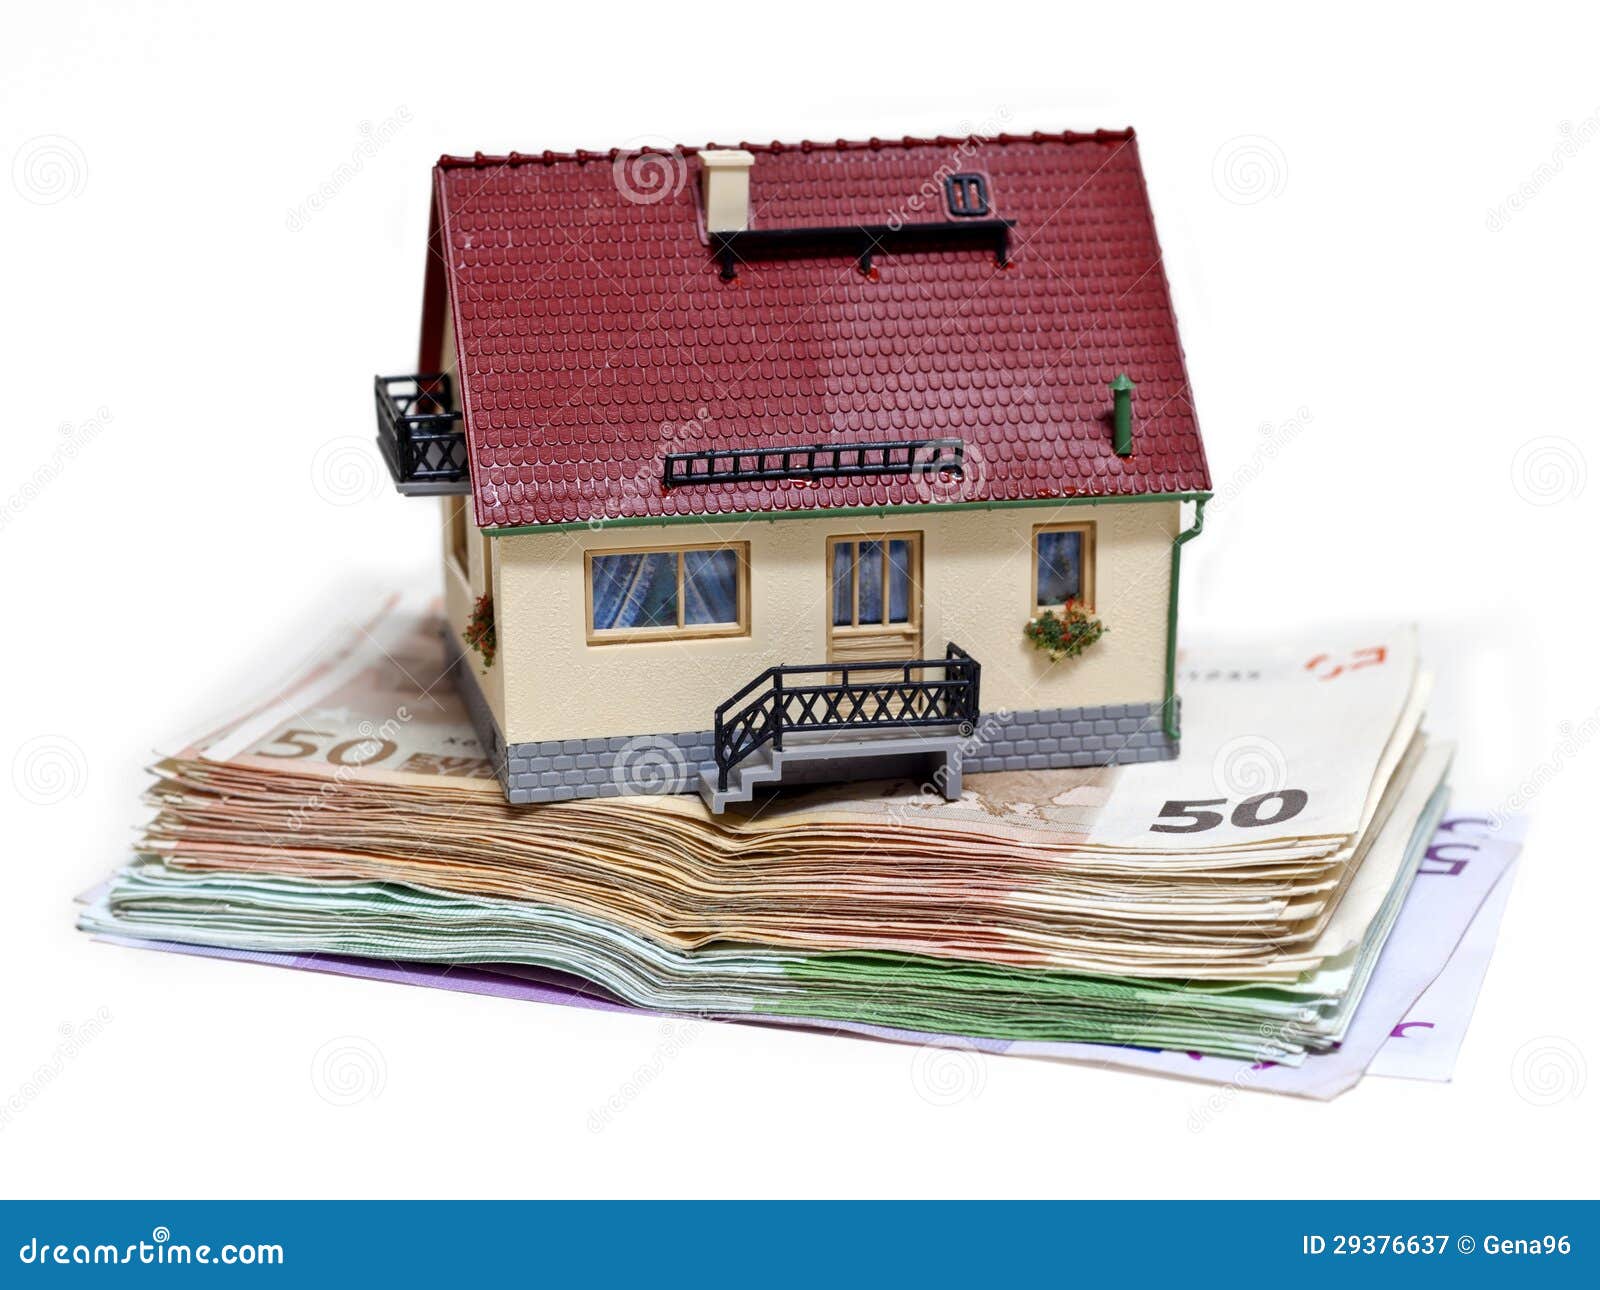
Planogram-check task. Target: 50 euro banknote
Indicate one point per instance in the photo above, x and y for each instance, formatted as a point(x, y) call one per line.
point(1285, 747)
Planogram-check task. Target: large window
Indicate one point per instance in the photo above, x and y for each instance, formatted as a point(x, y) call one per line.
point(663, 593)
point(1063, 565)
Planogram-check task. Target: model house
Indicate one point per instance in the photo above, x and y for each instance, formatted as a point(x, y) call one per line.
point(777, 462)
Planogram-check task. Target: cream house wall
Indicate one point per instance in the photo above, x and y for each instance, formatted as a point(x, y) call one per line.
point(462, 587)
point(548, 682)
point(463, 584)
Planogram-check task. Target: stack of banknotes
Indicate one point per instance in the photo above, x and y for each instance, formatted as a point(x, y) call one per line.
point(1270, 908)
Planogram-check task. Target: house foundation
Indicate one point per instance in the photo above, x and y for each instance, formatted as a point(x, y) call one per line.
point(559, 770)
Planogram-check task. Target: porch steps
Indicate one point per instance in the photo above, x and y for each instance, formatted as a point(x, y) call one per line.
point(932, 753)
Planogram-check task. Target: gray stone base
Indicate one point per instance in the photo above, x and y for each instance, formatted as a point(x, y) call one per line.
point(558, 770)
point(1049, 738)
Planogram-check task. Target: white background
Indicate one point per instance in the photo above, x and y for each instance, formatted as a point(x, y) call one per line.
point(1394, 369)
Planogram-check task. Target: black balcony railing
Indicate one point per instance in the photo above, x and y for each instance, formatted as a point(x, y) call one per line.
point(861, 242)
point(420, 434)
point(845, 696)
point(813, 461)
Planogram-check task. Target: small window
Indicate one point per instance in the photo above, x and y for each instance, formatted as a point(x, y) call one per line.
point(966, 195)
point(1063, 565)
point(666, 593)
point(457, 508)
point(873, 580)
point(488, 564)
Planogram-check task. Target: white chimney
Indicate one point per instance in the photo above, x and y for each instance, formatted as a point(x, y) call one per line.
point(725, 188)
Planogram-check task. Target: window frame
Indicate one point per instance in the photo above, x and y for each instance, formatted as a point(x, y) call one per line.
point(912, 626)
point(681, 631)
point(457, 536)
point(488, 565)
point(1086, 579)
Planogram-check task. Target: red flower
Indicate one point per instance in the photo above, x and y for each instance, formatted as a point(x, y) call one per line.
point(480, 634)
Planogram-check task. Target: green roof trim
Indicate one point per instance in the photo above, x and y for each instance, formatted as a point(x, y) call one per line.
point(839, 512)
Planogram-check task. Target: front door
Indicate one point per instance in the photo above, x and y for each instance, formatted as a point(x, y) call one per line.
point(874, 597)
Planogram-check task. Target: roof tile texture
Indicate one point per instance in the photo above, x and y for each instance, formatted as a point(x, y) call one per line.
point(595, 334)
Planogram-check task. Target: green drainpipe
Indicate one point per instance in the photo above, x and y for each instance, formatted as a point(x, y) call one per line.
point(1169, 707)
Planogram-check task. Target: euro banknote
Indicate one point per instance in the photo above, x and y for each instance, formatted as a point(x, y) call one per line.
point(1426, 1042)
point(1290, 734)
point(1235, 903)
point(1436, 923)
point(367, 768)
point(263, 910)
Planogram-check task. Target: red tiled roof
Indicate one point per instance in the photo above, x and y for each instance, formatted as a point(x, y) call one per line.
point(595, 334)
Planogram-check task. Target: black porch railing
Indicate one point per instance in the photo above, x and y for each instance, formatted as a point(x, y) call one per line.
point(814, 461)
point(845, 696)
point(420, 434)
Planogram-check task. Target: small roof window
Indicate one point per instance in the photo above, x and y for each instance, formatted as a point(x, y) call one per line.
point(966, 194)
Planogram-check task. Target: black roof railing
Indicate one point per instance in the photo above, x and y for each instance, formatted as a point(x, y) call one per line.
point(895, 695)
point(814, 461)
point(420, 434)
point(861, 241)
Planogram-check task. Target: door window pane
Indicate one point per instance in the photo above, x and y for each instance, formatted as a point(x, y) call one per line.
point(711, 586)
point(869, 576)
point(635, 590)
point(899, 580)
point(1060, 557)
point(843, 589)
